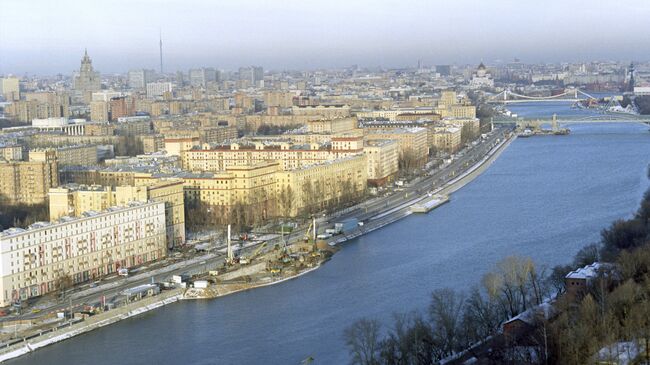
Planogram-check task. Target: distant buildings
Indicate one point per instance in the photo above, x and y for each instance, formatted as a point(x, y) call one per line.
point(85, 155)
point(443, 70)
point(10, 88)
point(252, 74)
point(202, 76)
point(40, 105)
point(158, 89)
point(325, 111)
point(138, 79)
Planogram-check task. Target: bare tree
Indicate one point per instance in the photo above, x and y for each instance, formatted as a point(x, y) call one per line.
point(446, 312)
point(362, 338)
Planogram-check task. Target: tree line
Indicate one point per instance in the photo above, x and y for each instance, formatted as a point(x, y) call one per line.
point(454, 319)
point(615, 308)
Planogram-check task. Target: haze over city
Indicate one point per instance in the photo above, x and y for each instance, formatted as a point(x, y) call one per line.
point(324, 182)
point(122, 34)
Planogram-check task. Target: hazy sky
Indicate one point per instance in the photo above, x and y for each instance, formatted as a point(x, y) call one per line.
point(49, 36)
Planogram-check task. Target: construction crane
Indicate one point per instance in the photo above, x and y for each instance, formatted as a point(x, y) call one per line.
point(244, 260)
point(312, 229)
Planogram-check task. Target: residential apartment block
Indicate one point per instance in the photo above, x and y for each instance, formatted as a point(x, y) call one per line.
point(34, 260)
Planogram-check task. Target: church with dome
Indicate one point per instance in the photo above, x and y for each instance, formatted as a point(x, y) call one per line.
point(481, 78)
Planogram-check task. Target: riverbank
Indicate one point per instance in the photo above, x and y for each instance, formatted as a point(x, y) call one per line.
point(378, 221)
point(91, 323)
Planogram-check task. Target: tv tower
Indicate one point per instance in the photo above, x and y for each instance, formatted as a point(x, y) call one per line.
point(161, 63)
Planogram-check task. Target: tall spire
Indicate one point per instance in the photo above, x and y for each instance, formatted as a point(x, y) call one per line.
point(161, 58)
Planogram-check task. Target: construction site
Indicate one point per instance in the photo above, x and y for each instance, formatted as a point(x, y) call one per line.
point(263, 266)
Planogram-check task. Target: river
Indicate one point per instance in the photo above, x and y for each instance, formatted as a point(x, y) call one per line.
point(545, 197)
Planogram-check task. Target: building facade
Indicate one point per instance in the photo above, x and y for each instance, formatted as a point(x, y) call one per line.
point(74, 200)
point(87, 80)
point(35, 260)
point(85, 155)
point(27, 182)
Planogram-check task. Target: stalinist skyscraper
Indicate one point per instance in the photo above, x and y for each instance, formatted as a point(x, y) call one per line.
point(87, 80)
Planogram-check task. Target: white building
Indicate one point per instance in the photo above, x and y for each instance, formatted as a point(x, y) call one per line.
point(157, 89)
point(481, 79)
point(72, 127)
point(33, 260)
point(107, 95)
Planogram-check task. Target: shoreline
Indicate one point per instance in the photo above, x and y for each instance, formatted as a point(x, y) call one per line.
point(150, 303)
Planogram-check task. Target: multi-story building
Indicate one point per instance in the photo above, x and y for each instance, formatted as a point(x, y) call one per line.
point(10, 152)
point(177, 146)
point(472, 126)
point(323, 111)
point(383, 160)
point(152, 142)
point(74, 200)
point(413, 142)
point(138, 79)
point(34, 107)
point(27, 182)
point(123, 106)
point(252, 74)
point(200, 77)
point(395, 114)
point(217, 158)
point(448, 106)
point(158, 89)
point(99, 129)
point(35, 260)
point(281, 99)
point(257, 190)
point(10, 88)
point(99, 111)
point(334, 125)
point(85, 155)
point(87, 80)
point(135, 125)
point(318, 186)
point(447, 139)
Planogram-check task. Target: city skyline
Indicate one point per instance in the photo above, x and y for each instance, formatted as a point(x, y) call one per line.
point(311, 36)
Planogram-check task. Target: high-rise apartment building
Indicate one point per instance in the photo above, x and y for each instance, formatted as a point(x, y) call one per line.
point(199, 77)
point(138, 79)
